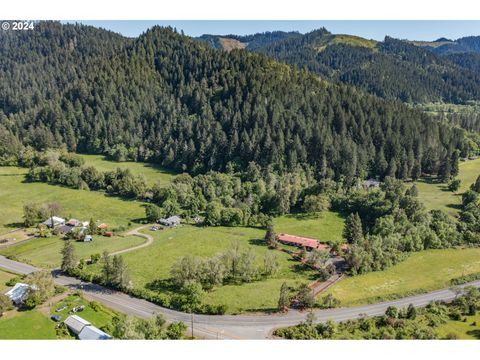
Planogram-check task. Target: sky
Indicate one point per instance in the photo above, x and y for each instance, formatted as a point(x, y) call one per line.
point(370, 29)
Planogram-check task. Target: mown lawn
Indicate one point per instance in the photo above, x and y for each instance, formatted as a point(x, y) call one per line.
point(4, 277)
point(45, 252)
point(421, 272)
point(36, 324)
point(325, 228)
point(468, 330)
point(98, 315)
point(26, 325)
point(437, 196)
point(80, 204)
point(153, 263)
point(152, 172)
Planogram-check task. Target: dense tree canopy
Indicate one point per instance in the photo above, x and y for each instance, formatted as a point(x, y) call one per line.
point(168, 99)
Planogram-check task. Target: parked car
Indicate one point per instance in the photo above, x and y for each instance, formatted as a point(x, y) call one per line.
point(61, 308)
point(56, 318)
point(78, 308)
point(154, 228)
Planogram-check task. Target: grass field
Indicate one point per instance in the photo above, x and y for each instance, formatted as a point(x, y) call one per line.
point(14, 193)
point(326, 228)
point(4, 277)
point(45, 252)
point(154, 262)
point(26, 325)
point(99, 316)
point(36, 324)
point(436, 196)
point(467, 330)
point(421, 272)
point(152, 172)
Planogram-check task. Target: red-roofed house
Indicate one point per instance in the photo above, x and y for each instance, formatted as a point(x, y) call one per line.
point(302, 242)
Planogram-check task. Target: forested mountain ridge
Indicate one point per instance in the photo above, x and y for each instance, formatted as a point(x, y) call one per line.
point(442, 46)
point(392, 69)
point(166, 98)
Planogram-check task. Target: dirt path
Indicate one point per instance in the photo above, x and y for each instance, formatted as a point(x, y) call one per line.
point(136, 232)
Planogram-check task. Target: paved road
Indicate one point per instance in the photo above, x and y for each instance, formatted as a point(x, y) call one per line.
point(136, 232)
point(253, 326)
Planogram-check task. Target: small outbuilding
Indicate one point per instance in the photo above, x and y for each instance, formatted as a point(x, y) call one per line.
point(172, 221)
point(76, 324)
point(371, 183)
point(54, 221)
point(18, 293)
point(88, 238)
point(93, 333)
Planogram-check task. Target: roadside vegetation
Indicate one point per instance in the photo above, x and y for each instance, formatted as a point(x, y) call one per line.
point(436, 321)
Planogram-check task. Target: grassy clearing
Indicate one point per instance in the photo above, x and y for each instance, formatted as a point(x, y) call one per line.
point(97, 314)
point(14, 193)
point(36, 324)
point(421, 272)
point(468, 330)
point(26, 325)
point(45, 252)
point(4, 277)
point(436, 195)
point(326, 228)
point(152, 172)
point(148, 266)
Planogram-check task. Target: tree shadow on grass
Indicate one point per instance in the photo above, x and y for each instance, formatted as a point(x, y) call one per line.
point(15, 225)
point(160, 285)
point(303, 216)
point(263, 310)
point(475, 333)
point(454, 206)
point(257, 242)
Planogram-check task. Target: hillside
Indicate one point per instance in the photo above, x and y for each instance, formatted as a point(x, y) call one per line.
point(167, 99)
point(393, 69)
point(468, 44)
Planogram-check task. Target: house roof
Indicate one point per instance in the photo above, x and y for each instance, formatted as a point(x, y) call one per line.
point(56, 220)
point(371, 182)
point(73, 222)
point(303, 241)
point(93, 333)
point(102, 226)
point(171, 220)
point(76, 323)
point(18, 292)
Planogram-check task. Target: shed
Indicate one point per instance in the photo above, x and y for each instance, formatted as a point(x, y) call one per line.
point(54, 221)
point(88, 238)
point(18, 293)
point(172, 221)
point(76, 324)
point(371, 183)
point(93, 333)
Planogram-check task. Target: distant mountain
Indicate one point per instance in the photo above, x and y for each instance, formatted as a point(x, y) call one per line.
point(392, 69)
point(165, 98)
point(249, 42)
point(442, 46)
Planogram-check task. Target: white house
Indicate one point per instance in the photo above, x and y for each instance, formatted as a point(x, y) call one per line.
point(54, 221)
point(92, 333)
point(18, 293)
point(172, 221)
point(76, 324)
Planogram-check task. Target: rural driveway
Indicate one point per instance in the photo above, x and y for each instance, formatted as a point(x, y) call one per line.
point(252, 326)
point(136, 232)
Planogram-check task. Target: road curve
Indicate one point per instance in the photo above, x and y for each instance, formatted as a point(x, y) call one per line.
point(252, 326)
point(136, 232)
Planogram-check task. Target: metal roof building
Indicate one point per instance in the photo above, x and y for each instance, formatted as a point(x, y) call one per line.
point(93, 333)
point(18, 293)
point(76, 324)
